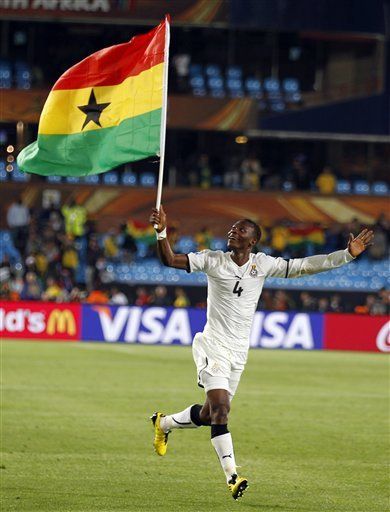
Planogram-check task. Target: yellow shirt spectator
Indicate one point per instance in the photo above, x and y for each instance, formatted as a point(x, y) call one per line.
point(326, 181)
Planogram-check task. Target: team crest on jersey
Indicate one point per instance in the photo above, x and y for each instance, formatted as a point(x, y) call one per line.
point(253, 271)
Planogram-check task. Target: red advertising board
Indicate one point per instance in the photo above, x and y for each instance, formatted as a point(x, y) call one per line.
point(40, 320)
point(355, 332)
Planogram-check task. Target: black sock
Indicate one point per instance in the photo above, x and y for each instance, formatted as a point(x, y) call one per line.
point(195, 415)
point(218, 430)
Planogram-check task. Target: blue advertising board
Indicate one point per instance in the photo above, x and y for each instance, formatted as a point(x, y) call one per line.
point(160, 325)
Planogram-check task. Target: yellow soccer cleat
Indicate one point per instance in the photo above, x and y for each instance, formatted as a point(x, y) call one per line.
point(160, 442)
point(237, 486)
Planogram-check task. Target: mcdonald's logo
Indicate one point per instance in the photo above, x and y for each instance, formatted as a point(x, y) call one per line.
point(61, 322)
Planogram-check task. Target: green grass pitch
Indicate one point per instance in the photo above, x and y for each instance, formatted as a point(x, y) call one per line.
point(310, 431)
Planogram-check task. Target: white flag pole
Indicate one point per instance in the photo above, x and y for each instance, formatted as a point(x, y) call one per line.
point(163, 128)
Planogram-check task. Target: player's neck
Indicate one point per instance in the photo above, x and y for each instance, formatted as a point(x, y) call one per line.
point(240, 257)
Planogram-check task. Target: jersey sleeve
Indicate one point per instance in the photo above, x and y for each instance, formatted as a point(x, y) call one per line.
point(199, 261)
point(298, 267)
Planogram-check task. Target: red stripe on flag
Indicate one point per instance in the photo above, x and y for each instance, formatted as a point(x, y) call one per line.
point(112, 65)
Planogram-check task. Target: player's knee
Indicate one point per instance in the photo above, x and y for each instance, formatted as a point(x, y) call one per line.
point(219, 412)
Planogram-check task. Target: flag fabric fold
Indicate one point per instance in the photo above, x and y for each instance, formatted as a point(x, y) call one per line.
point(104, 111)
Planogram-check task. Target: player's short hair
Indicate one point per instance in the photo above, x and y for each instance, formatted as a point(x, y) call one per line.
point(256, 228)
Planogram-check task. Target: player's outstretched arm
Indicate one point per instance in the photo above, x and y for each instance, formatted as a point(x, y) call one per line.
point(298, 267)
point(158, 219)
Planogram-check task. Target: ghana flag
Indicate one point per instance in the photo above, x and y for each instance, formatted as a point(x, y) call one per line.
point(104, 111)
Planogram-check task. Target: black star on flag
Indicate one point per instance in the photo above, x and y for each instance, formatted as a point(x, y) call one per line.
point(93, 110)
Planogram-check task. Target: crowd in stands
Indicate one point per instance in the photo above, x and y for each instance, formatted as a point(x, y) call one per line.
point(59, 256)
point(298, 173)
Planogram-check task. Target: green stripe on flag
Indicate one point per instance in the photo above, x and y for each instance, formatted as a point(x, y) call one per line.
point(93, 151)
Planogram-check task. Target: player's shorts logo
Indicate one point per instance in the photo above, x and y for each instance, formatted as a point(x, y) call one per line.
point(253, 271)
point(61, 322)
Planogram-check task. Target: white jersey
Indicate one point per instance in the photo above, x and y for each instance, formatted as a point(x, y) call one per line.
point(234, 291)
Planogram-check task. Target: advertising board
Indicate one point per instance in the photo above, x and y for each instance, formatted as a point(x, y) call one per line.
point(354, 332)
point(40, 320)
point(178, 326)
point(170, 326)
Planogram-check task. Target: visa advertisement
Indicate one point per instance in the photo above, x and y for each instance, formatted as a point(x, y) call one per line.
point(170, 326)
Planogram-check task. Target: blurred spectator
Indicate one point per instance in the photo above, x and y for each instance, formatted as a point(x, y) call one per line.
point(379, 249)
point(111, 249)
point(31, 289)
point(323, 305)
point(16, 285)
point(204, 239)
point(181, 64)
point(18, 218)
point(335, 305)
point(143, 298)
point(126, 242)
point(181, 299)
point(53, 292)
point(205, 173)
point(77, 295)
point(282, 302)
point(251, 172)
point(97, 295)
point(94, 254)
point(41, 263)
point(307, 302)
point(75, 217)
point(266, 300)
point(70, 258)
point(160, 296)
point(117, 297)
point(326, 181)
point(172, 233)
point(231, 178)
point(279, 238)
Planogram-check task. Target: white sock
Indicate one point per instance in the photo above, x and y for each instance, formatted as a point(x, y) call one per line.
point(178, 420)
point(223, 445)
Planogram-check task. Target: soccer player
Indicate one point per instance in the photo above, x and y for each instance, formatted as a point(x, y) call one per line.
point(235, 280)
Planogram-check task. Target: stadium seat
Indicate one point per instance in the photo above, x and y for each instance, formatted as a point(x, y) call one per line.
point(234, 72)
point(129, 178)
point(3, 172)
point(54, 179)
point(147, 179)
point(272, 88)
point(218, 244)
point(186, 244)
point(380, 188)
point(91, 179)
point(72, 179)
point(253, 88)
point(216, 87)
point(277, 106)
point(110, 178)
point(291, 89)
point(288, 186)
point(7, 249)
point(198, 85)
point(196, 70)
point(22, 75)
point(213, 71)
point(343, 187)
point(5, 75)
point(19, 176)
point(361, 187)
point(235, 87)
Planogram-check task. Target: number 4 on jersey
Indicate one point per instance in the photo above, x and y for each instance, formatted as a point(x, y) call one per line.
point(237, 289)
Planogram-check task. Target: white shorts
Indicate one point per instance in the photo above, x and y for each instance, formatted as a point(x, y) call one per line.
point(217, 367)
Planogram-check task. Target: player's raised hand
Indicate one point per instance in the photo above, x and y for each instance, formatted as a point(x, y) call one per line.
point(358, 244)
point(158, 219)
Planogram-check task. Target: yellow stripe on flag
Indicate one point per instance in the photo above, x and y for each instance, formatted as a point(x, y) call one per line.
point(136, 95)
